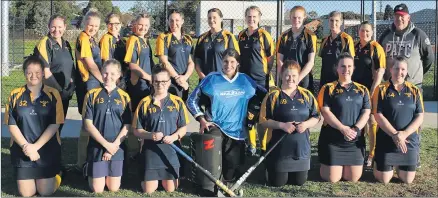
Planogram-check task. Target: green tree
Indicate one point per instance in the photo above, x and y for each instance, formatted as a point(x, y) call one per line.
point(67, 9)
point(155, 10)
point(389, 13)
point(103, 7)
point(189, 9)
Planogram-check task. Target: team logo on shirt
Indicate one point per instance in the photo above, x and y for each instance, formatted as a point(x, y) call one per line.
point(144, 45)
point(391, 95)
point(408, 95)
point(171, 108)
point(366, 51)
point(219, 40)
point(174, 42)
point(339, 91)
point(44, 103)
point(206, 40)
point(301, 100)
point(117, 101)
point(232, 93)
point(33, 112)
point(23, 103)
point(250, 116)
point(293, 108)
point(356, 90)
point(400, 103)
point(349, 99)
point(283, 101)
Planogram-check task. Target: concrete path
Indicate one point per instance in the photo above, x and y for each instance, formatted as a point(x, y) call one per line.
point(73, 121)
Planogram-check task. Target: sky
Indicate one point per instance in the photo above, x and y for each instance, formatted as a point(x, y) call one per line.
point(324, 7)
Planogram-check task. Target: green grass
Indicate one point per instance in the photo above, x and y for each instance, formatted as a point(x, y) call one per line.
point(425, 183)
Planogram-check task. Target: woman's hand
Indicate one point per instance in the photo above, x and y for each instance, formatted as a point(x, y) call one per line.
point(301, 127)
point(106, 156)
point(204, 125)
point(111, 148)
point(169, 139)
point(348, 132)
point(288, 127)
point(34, 156)
point(400, 140)
point(157, 136)
point(29, 149)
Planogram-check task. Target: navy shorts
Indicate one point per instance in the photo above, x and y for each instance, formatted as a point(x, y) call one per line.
point(25, 173)
point(104, 169)
point(161, 174)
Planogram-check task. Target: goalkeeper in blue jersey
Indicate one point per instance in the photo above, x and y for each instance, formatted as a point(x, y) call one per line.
point(226, 95)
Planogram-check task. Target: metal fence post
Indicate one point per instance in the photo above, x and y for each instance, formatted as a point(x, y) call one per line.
point(5, 38)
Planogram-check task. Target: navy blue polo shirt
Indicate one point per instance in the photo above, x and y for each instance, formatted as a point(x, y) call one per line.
point(177, 51)
point(280, 107)
point(368, 59)
point(329, 52)
point(112, 47)
point(299, 48)
point(347, 104)
point(109, 112)
point(255, 50)
point(57, 57)
point(208, 51)
point(139, 51)
point(32, 116)
point(400, 109)
point(150, 117)
point(87, 47)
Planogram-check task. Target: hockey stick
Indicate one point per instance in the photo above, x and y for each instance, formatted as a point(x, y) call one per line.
point(203, 170)
point(253, 167)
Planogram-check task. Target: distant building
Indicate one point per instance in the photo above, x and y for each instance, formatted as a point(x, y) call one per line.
point(234, 15)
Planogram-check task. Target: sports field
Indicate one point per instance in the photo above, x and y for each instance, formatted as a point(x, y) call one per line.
point(425, 183)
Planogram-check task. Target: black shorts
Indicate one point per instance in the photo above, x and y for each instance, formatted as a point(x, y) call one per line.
point(161, 174)
point(137, 92)
point(104, 168)
point(23, 173)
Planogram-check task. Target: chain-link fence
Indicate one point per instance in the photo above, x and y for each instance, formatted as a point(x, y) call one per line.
point(28, 22)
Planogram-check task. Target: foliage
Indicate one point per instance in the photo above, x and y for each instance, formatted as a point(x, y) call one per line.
point(389, 13)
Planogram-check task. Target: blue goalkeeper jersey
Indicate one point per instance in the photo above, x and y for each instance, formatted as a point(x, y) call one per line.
point(225, 101)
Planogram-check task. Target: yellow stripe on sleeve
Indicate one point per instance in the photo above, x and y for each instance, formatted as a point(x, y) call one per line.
point(42, 49)
point(105, 47)
point(159, 48)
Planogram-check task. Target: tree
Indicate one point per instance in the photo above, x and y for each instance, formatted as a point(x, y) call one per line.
point(103, 7)
point(189, 9)
point(389, 13)
point(351, 15)
point(313, 14)
point(67, 9)
point(116, 10)
point(154, 9)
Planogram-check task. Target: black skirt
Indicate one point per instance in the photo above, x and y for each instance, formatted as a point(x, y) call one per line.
point(334, 150)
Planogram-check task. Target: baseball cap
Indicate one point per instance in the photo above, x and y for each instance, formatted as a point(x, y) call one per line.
point(401, 9)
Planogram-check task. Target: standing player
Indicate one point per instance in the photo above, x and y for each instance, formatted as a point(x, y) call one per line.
point(112, 45)
point(346, 108)
point(370, 65)
point(107, 118)
point(139, 57)
point(257, 49)
point(299, 44)
point(33, 115)
point(174, 48)
point(212, 44)
point(160, 119)
point(333, 45)
point(89, 62)
point(399, 110)
point(291, 110)
point(57, 56)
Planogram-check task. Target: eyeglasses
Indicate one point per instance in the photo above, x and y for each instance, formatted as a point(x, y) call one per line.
point(156, 82)
point(113, 24)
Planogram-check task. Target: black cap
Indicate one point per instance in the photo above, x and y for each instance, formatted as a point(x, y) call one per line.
point(401, 9)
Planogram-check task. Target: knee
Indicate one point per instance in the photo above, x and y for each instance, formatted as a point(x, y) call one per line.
point(113, 188)
point(97, 188)
point(169, 189)
point(25, 193)
point(45, 192)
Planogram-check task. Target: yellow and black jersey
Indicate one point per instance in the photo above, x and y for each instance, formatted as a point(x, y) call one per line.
point(208, 51)
point(280, 107)
point(399, 108)
point(108, 112)
point(299, 48)
point(57, 57)
point(347, 104)
point(112, 47)
point(32, 116)
point(177, 51)
point(368, 59)
point(255, 50)
point(167, 119)
point(139, 51)
point(87, 47)
point(329, 52)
